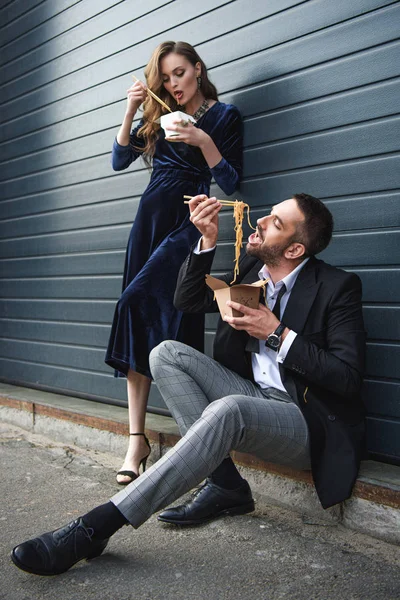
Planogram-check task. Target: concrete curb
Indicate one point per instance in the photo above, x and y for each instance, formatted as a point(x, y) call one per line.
point(373, 509)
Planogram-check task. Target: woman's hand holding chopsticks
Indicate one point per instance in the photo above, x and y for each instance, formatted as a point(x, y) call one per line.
point(136, 95)
point(204, 215)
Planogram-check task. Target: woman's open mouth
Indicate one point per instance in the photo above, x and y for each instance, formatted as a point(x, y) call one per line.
point(178, 95)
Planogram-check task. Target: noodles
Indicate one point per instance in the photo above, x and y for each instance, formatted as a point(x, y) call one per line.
point(238, 215)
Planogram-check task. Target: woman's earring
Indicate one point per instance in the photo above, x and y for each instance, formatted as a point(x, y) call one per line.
point(199, 83)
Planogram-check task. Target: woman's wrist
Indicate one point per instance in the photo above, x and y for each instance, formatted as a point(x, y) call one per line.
point(210, 151)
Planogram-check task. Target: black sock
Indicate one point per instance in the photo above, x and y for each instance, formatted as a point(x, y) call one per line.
point(105, 520)
point(226, 475)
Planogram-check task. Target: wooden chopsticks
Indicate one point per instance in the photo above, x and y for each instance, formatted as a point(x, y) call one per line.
point(225, 202)
point(153, 95)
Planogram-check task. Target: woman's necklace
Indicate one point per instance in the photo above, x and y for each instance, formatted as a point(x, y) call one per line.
point(201, 110)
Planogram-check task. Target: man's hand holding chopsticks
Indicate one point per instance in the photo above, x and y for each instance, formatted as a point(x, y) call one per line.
point(204, 215)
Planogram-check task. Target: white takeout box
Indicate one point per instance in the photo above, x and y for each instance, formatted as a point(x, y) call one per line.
point(247, 294)
point(169, 118)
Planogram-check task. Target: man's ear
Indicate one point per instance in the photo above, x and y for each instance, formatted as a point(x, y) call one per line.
point(294, 251)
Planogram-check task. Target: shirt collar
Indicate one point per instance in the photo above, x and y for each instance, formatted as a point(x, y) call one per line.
point(289, 280)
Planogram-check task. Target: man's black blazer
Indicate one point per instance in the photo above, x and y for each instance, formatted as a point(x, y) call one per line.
point(323, 369)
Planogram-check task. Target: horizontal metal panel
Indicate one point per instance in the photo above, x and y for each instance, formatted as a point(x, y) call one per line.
point(377, 248)
point(94, 263)
point(81, 310)
point(382, 360)
point(380, 285)
point(382, 397)
point(125, 184)
point(63, 333)
point(382, 322)
point(108, 16)
point(383, 437)
point(33, 16)
point(346, 38)
point(93, 145)
point(14, 10)
point(366, 31)
point(66, 175)
point(350, 142)
point(76, 357)
point(354, 177)
point(59, 379)
point(335, 76)
point(105, 117)
point(86, 240)
point(346, 108)
point(70, 288)
point(72, 382)
point(97, 215)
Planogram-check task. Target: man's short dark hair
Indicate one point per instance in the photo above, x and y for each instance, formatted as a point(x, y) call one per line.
point(316, 232)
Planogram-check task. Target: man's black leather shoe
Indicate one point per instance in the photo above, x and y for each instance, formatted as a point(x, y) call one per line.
point(208, 502)
point(55, 552)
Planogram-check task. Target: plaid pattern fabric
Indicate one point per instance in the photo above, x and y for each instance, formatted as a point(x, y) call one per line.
point(217, 411)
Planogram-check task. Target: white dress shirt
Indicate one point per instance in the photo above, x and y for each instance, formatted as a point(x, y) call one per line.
point(266, 363)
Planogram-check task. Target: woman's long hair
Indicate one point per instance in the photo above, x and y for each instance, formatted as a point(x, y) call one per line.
point(152, 110)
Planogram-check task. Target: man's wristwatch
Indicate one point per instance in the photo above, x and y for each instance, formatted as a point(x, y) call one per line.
point(274, 339)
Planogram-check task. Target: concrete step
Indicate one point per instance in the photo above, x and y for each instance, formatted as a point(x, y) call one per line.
point(374, 507)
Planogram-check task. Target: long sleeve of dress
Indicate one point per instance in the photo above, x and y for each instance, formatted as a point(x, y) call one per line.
point(123, 156)
point(228, 171)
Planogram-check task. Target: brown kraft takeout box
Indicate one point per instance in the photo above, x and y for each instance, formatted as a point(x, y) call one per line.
point(243, 293)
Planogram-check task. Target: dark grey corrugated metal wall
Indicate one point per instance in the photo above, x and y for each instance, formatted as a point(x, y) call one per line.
point(318, 85)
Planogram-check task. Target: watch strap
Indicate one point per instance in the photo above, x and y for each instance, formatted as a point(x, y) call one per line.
point(280, 329)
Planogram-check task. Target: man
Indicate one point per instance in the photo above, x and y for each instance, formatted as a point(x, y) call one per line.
point(286, 386)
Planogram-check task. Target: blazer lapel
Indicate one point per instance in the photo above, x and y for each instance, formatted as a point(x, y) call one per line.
point(302, 297)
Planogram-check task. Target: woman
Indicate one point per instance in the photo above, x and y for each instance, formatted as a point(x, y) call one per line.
point(162, 233)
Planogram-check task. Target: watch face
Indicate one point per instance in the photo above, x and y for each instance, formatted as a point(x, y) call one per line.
point(273, 341)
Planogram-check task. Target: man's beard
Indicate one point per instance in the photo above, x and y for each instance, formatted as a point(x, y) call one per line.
point(270, 255)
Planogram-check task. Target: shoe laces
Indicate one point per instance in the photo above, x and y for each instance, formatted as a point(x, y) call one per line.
point(197, 492)
point(62, 535)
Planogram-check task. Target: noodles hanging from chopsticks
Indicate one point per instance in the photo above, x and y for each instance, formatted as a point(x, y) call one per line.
point(238, 214)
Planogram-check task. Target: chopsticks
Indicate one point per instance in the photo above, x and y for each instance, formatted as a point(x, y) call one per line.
point(153, 95)
point(225, 202)
point(237, 205)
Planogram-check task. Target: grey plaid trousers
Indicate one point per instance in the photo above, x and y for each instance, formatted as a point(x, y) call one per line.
point(216, 411)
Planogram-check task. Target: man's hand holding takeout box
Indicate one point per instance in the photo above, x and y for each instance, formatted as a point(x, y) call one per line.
point(247, 314)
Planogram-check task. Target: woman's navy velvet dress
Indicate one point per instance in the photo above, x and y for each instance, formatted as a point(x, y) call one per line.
point(162, 236)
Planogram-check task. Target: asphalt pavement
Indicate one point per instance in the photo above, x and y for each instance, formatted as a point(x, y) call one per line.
point(272, 554)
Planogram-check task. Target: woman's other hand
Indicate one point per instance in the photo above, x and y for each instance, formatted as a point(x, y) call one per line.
point(188, 133)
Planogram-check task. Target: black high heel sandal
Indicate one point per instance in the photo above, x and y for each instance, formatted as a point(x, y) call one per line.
point(142, 464)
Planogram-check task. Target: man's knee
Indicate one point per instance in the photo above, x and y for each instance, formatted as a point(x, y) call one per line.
point(228, 406)
point(163, 353)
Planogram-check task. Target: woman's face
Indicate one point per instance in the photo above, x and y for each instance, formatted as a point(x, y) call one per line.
point(179, 77)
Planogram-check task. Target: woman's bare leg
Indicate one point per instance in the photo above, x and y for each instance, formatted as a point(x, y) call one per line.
point(138, 394)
